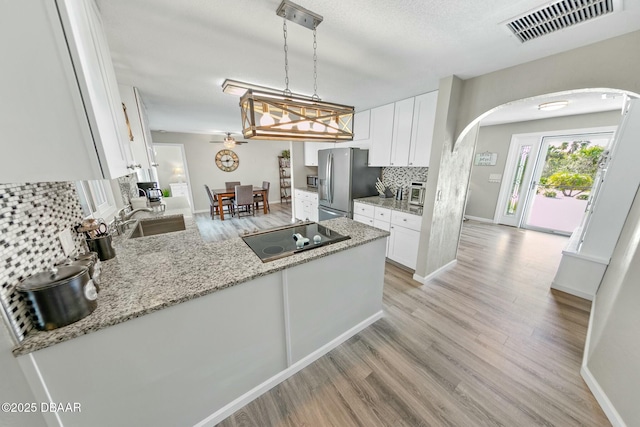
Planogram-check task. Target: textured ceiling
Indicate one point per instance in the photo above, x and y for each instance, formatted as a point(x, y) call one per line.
point(370, 52)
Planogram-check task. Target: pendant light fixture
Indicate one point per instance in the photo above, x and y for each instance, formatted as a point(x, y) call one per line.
point(270, 114)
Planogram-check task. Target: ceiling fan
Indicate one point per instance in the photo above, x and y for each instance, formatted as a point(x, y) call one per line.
point(228, 141)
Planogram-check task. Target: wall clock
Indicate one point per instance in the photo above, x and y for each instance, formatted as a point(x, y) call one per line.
point(227, 160)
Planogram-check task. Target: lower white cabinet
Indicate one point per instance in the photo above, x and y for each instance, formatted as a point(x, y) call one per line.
point(402, 244)
point(306, 205)
point(179, 189)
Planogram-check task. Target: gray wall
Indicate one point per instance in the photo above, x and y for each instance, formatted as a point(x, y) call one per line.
point(258, 162)
point(613, 355)
point(483, 195)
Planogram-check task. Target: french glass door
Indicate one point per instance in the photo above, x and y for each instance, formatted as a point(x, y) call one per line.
point(565, 172)
point(548, 180)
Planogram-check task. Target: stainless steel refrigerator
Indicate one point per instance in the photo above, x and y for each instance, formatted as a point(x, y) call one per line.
point(343, 175)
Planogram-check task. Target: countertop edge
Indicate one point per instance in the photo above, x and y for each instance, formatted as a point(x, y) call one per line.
point(43, 341)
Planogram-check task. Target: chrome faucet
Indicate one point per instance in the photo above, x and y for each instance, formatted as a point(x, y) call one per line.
point(123, 218)
point(123, 215)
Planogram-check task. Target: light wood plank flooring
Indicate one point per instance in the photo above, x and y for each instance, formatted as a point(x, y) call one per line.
point(213, 230)
point(486, 343)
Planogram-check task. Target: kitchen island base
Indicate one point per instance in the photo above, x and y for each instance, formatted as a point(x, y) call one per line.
point(197, 362)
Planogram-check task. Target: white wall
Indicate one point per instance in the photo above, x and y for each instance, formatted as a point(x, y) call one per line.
point(14, 387)
point(613, 352)
point(170, 166)
point(483, 195)
point(258, 162)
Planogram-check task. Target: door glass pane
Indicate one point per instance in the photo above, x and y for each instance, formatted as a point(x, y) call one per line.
point(521, 167)
point(569, 170)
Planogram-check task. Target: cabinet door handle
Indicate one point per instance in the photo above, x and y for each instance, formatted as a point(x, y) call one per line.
point(404, 219)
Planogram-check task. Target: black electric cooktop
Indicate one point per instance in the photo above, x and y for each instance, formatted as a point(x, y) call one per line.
point(279, 242)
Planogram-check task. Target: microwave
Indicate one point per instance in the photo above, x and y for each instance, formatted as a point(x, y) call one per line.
point(417, 192)
point(312, 181)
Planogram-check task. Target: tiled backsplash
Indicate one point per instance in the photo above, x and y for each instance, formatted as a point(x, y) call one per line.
point(403, 177)
point(31, 216)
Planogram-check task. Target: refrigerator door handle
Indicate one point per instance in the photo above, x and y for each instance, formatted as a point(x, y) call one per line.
point(330, 178)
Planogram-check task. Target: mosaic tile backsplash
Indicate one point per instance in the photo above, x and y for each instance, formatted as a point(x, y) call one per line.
point(31, 216)
point(403, 177)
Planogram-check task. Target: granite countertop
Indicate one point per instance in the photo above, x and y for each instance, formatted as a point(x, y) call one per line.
point(391, 203)
point(155, 272)
point(308, 189)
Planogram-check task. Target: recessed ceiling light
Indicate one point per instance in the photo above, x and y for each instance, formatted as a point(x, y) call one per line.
point(554, 105)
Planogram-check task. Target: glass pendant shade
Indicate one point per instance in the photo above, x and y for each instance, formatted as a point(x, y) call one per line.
point(290, 120)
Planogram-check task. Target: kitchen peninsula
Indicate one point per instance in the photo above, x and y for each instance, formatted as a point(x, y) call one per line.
point(187, 332)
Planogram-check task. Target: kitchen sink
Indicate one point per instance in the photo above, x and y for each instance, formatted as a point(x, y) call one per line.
point(151, 227)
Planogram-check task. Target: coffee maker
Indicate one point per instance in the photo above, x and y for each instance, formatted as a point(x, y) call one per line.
point(151, 190)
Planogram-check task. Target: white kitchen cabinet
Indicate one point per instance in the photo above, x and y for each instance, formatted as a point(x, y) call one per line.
point(424, 118)
point(361, 121)
point(401, 141)
point(141, 144)
point(405, 238)
point(404, 229)
point(306, 205)
point(311, 151)
point(381, 135)
point(402, 132)
point(61, 115)
point(403, 246)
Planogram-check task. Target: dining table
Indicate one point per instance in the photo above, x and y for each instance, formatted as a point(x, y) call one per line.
point(221, 193)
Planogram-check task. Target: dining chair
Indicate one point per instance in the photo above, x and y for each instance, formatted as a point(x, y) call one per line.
point(243, 200)
point(213, 202)
point(257, 198)
point(230, 185)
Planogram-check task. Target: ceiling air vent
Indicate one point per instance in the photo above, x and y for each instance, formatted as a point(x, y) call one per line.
point(558, 15)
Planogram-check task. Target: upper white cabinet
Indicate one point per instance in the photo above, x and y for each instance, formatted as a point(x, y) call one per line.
point(402, 132)
point(61, 117)
point(424, 118)
point(140, 137)
point(381, 135)
point(361, 122)
point(311, 151)
point(402, 121)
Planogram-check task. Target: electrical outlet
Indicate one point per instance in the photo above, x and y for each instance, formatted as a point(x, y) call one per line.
point(66, 241)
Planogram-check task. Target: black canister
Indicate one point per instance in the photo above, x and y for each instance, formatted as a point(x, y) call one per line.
point(59, 297)
point(103, 246)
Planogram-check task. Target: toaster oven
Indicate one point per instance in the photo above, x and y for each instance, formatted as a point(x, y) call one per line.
point(417, 192)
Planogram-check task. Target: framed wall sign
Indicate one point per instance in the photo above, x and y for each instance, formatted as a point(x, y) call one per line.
point(486, 159)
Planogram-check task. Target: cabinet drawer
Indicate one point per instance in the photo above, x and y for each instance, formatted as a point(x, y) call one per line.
point(363, 219)
point(383, 225)
point(362, 209)
point(406, 220)
point(382, 214)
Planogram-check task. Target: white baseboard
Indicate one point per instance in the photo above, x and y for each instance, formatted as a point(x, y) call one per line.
point(602, 398)
point(572, 291)
point(201, 211)
point(480, 219)
point(255, 392)
point(428, 277)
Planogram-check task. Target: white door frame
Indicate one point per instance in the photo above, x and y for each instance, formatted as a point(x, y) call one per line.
point(186, 167)
point(534, 139)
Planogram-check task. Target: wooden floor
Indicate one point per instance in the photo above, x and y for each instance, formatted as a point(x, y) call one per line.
point(486, 343)
point(213, 230)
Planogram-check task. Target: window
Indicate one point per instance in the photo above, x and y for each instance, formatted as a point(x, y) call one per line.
point(96, 198)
